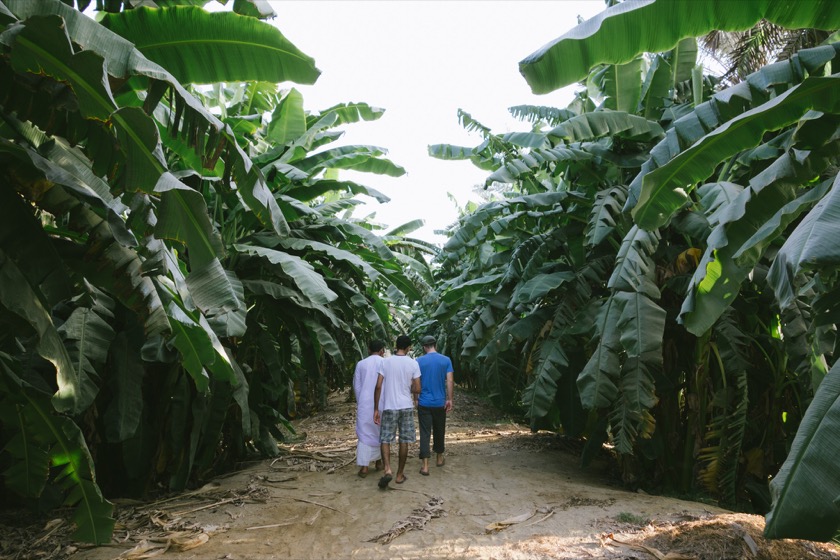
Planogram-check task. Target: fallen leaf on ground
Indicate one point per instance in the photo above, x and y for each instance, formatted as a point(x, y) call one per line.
point(499, 525)
point(418, 518)
point(654, 552)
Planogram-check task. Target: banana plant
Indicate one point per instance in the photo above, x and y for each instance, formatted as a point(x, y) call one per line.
point(514, 276)
point(169, 272)
point(626, 370)
point(756, 160)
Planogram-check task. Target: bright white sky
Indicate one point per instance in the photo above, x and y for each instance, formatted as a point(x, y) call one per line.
point(421, 61)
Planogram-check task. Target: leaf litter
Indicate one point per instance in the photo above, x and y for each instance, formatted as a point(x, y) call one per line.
point(415, 521)
point(164, 526)
point(735, 536)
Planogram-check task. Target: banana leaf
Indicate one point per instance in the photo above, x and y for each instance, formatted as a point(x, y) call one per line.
point(811, 245)
point(310, 283)
point(140, 145)
point(537, 113)
point(59, 443)
point(201, 47)
point(806, 490)
point(608, 123)
point(352, 112)
point(598, 381)
point(288, 121)
point(551, 365)
point(620, 85)
point(666, 189)
point(771, 200)
point(625, 30)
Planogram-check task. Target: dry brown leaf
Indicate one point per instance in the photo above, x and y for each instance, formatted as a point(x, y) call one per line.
point(499, 525)
point(188, 542)
point(51, 527)
point(417, 520)
point(157, 519)
point(292, 521)
point(747, 538)
point(750, 543)
point(144, 549)
point(549, 514)
point(659, 555)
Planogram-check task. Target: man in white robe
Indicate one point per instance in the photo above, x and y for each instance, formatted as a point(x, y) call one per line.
point(364, 384)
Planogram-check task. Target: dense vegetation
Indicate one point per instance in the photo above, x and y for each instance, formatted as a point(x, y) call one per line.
point(179, 263)
point(658, 270)
point(180, 269)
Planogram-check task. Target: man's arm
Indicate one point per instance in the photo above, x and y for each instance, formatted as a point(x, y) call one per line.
point(450, 389)
point(415, 382)
point(376, 393)
point(357, 383)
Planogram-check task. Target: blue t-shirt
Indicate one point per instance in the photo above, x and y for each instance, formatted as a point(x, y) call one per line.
point(433, 370)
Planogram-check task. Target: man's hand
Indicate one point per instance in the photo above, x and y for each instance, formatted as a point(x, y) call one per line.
point(376, 418)
point(450, 390)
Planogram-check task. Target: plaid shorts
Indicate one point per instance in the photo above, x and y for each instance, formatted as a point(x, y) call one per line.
point(391, 419)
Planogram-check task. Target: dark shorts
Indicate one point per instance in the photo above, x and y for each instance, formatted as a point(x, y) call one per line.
point(391, 420)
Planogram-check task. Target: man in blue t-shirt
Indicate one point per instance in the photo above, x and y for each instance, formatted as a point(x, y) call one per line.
point(435, 401)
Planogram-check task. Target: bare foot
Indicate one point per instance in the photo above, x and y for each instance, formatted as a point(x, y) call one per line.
point(363, 472)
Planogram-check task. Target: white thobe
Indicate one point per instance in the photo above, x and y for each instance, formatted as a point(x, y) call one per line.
point(364, 385)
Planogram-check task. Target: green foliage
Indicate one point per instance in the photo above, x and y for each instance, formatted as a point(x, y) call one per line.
point(241, 48)
point(179, 268)
point(667, 323)
point(632, 518)
point(625, 30)
point(805, 489)
point(655, 268)
point(47, 447)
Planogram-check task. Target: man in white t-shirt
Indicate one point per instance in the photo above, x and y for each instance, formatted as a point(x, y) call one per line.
point(393, 400)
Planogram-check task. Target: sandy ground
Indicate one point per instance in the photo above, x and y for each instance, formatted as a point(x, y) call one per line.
point(504, 493)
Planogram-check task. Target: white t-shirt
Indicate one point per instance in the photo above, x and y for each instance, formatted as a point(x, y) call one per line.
point(397, 373)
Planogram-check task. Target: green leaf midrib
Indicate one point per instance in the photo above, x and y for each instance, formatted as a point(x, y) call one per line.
point(59, 439)
point(24, 434)
point(110, 109)
point(172, 44)
point(194, 222)
point(82, 343)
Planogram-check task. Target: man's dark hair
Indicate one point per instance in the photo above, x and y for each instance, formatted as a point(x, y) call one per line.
point(403, 342)
point(374, 346)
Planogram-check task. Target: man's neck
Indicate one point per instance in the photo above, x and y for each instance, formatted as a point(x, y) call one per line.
point(401, 353)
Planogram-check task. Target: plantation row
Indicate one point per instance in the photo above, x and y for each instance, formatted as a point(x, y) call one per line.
point(655, 268)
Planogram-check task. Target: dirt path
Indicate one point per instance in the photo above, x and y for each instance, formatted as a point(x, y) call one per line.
point(311, 504)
